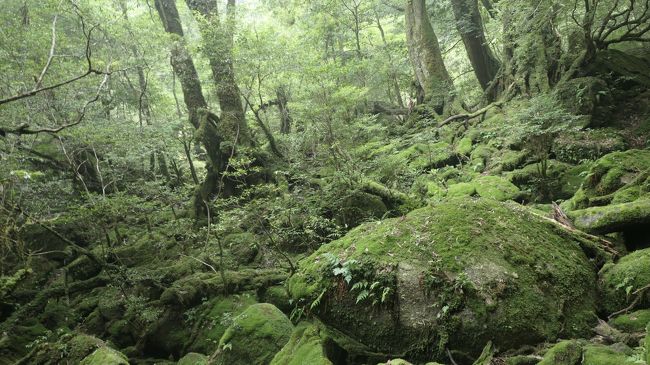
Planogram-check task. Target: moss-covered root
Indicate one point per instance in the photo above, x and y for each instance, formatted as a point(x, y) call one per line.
point(254, 337)
point(622, 284)
point(105, 356)
point(304, 347)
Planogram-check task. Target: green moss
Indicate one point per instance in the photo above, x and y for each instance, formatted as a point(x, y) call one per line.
point(359, 206)
point(254, 337)
point(304, 347)
point(647, 343)
point(577, 146)
point(510, 160)
point(495, 187)
point(422, 156)
point(105, 356)
point(467, 271)
point(563, 353)
point(609, 174)
point(480, 158)
point(193, 359)
point(618, 281)
point(601, 355)
point(464, 146)
point(461, 189)
point(396, 362)
point(612, 218)
point(632, 322)
point(243, 246)
point(215, 319)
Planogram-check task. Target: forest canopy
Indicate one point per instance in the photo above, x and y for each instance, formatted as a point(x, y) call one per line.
point(325, 182)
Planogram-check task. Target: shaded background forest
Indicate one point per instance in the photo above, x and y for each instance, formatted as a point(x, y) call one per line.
point(165, 165)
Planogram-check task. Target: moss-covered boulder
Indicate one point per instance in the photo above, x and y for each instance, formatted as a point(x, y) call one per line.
point(588, 96)
point(613, 218)
point(495, 187)
point(567, 352)
point(454, 275)
point(254, 337)
point(359, 206)
point(105, 356)
point(193, 358)
point(306, 346)
point(631, 322)
point(576, 146)
point(622, 283)
point(602, 355)
point(214, 317)
point(647, 343)
point(626, 171)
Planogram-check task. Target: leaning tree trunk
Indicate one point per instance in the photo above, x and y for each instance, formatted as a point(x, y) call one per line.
point(202, 120)
point(426, 57)
point(470, 26)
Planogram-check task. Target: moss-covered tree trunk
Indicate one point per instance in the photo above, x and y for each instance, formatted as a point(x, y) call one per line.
point(204, 122)
point(218, 44)
point(426, 57)
point(470, 27)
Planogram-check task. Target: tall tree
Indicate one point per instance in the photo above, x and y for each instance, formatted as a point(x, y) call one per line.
point(203, 121)
point(425, 55)
point(470, 26)
point(218, 47)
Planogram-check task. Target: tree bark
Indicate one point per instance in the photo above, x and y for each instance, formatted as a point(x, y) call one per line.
point(218, 42)
point(285, 117)
point(426, 57)
point(203, 121)
point(470, 26)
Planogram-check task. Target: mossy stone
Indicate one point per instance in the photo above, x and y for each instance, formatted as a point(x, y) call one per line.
point(358, 207)
point(304, 347)
point(631, 322)
point(602, 355)
point(215, 318)
point(618, 281)
point(495, 187)
point(612, 218)
point(254, 337)
point(467, 271)
point(563, 353)
point(647, 343)
point(105, 356)
point(607, 175)
point(461, 190)
point(193, 358)
point(464, 146)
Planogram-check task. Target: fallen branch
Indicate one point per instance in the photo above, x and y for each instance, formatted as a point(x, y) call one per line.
point(639, 294)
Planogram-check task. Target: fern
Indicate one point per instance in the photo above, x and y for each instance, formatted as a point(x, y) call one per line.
point(316, 301)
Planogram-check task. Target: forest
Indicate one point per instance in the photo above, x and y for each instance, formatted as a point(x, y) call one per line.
point(325, 182)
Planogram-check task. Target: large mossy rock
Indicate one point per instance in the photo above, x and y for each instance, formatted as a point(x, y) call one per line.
point(105, 356)
point(254, 337)
point(568, 352)
point(588, 96)
point(306, 346)
point(631, 322)
point(618, 282)
point(619, 177)
point(613, 218)
point(454, 275)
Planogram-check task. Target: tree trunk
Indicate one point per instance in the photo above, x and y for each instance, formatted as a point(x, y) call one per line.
point(218, 44)
point(470, 27)
point(425, 56)
point(285, 117)
point(199, 116)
